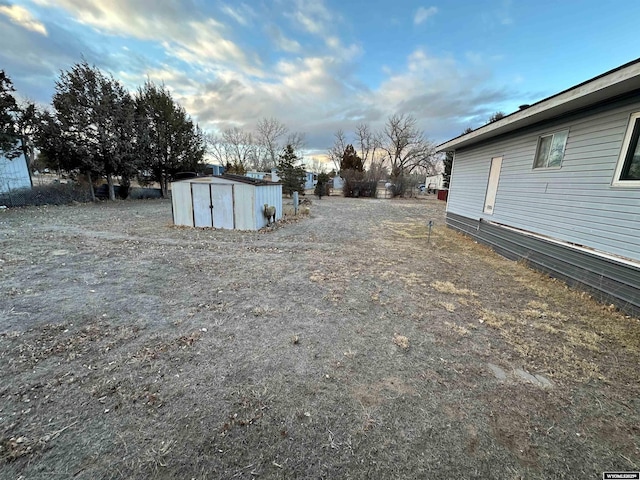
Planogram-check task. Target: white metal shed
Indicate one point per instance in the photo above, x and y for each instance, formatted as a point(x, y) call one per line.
point(230, 202)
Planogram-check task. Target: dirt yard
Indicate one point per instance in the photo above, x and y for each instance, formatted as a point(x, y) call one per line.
point(344, 345)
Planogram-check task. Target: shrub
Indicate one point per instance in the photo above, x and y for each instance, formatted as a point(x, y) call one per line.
point(357, 185)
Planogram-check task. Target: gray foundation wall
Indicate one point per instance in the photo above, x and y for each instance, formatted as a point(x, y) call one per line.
point(608, 280)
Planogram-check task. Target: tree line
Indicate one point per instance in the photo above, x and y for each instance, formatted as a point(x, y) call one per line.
point(240, 150)
point(96, 128)
point(395, 152)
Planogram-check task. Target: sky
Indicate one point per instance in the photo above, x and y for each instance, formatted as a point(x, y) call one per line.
point(323, 65)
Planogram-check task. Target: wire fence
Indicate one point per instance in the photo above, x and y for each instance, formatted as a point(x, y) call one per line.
point(53, 194)
point(63, 194)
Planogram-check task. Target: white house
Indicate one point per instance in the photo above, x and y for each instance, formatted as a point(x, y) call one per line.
point(14, 174)
point(558, 183)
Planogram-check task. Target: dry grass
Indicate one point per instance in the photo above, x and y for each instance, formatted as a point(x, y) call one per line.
point(457, 329)
point(448, 306)
point(142, 351)
point(401, 341)
point(450, 288)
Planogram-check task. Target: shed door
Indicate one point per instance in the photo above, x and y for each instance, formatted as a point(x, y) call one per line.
point(201, 195)
point(222, 196)
point(492, 185)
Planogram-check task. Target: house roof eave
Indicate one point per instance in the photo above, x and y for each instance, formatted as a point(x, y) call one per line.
point(620, 81)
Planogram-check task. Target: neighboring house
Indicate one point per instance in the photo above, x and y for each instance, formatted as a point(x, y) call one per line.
point(434, 182)
point(338, 182)
point(14, 174)
point(213, 169)
point(271, 176)
point(229, 202)
point(311, 180)
point(256, 175)
point(558, 184)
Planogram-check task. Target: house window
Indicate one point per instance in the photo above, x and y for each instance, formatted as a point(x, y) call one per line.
point(551, 150)
point(628, 168)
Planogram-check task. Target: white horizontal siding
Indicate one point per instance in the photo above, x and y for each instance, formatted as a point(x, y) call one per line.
point(575, 203)
point(14, 174)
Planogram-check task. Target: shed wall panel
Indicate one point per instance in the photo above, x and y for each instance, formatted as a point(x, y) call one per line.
point(201, 197)
point(270, 195)
point(222, 201)
point(181, 203)
point(574, 203)
point(244, 199)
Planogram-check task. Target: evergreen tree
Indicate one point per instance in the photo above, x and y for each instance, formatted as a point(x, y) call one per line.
point(9, 141)
point(95, 115)
point(168, 140)
point(322, 185)
point(448, 163)
point(291, 175)
point(351, 160)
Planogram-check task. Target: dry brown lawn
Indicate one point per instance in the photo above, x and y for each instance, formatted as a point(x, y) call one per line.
point(347, 344)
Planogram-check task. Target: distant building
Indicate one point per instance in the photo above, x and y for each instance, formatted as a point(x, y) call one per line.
point(311, 180)
point(432, 183)
point(14, 174)
point(213, 169)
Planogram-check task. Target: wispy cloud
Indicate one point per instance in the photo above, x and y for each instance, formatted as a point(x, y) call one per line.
point(422, 14)
point(282, 42)
point(241, 14)
point(23, 17)
point(177, 28)
point(312, 15)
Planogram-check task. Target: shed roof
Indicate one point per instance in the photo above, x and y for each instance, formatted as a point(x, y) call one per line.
point(227, 178)
point(249, 180)
point(614, 83)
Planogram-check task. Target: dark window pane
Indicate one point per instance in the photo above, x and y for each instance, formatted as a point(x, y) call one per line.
point(544, 145)
point(557, 149)
point(631, 168)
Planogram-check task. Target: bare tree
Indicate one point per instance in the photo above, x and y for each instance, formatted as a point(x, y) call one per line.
point(405, 147)
point(316, 165)
point(368, 142)
point(234, 147)
point(269, 133)
point(297, 141)
point(496, 116)
point(337, 149)
point(240, 145)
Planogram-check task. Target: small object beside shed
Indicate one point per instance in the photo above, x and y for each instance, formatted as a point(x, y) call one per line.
point(229, 201)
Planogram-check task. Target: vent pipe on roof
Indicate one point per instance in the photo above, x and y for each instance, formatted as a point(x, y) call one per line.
point(524, 107)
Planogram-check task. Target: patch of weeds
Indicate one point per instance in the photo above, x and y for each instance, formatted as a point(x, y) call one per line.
point(401, 341)
point(457, 328)
point(449, 307)
point(263, 311)
point(152, 352)
point(16, 447)
point(69, 342)
point(349, 354)
point(450, 288)
point(495, 319)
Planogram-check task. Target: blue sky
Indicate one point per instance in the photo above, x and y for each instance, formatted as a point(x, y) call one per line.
point(320, 65)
